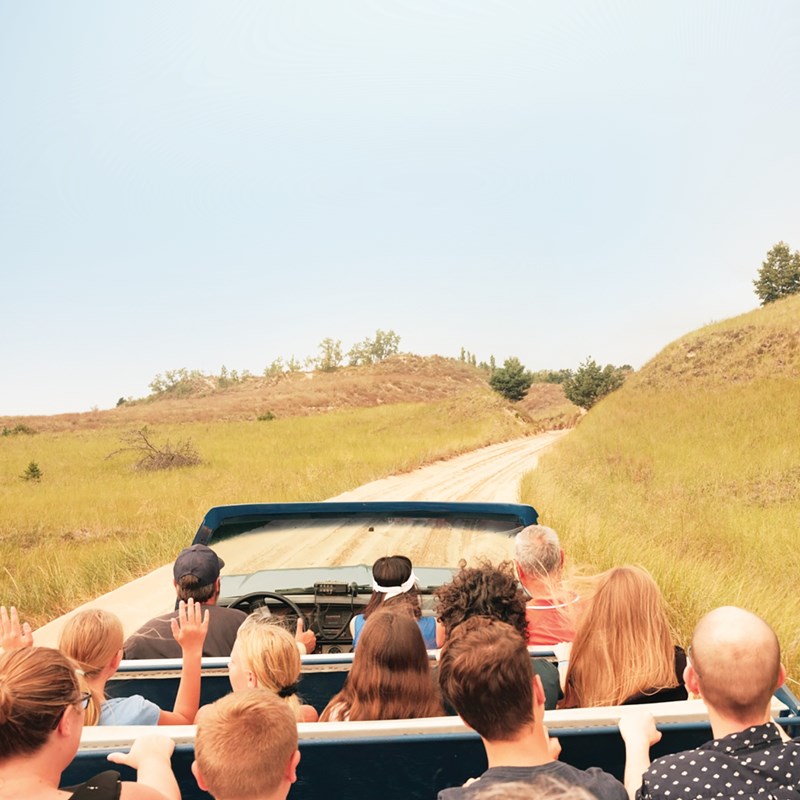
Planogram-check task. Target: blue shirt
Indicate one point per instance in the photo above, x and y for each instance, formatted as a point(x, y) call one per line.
point(133, 710)
point(427, 627)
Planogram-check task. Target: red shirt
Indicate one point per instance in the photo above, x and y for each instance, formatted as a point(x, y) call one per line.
point(550, 621)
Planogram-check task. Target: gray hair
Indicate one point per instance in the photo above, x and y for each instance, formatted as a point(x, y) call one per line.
point(538, 550)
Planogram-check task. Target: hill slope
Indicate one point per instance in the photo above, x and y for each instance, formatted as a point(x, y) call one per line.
point(399, 379)
point(693, 470)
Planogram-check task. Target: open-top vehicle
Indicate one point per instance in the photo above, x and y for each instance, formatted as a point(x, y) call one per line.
point(314, 559)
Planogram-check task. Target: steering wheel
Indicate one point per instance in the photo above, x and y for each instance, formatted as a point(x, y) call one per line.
point(250, 602)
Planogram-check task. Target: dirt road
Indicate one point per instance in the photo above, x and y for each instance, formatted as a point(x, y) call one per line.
point(491, 474)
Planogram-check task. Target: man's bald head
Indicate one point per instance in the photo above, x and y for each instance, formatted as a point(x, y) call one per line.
point(737, 660)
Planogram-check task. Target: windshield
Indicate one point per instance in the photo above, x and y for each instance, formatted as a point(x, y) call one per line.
point(343, 541)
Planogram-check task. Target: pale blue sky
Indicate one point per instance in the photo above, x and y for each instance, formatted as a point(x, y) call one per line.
point(191, 184)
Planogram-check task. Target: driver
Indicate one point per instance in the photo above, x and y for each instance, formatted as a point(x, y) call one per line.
point(196, 575)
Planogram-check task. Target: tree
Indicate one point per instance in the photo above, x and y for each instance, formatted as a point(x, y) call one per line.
point(779, 275)
point(591, 382)
point(512, 380)
point(330, 355)
point(32, 472)
point(385, 344)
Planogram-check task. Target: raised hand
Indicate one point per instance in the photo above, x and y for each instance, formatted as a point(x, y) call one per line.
point(190, 627)
point(12, 634)
point(305, 638)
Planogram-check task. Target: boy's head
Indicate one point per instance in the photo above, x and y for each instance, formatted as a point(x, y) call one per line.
point(246, 747)
point(485, 673)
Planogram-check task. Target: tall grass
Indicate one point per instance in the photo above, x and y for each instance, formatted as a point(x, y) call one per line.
point(693, 470)
point(93, 522)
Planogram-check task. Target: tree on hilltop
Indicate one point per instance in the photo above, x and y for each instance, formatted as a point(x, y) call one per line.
point(511, 380)
point(591, 382)
point(779, 275)
point(385, 344)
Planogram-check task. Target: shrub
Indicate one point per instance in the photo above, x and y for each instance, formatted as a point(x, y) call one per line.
point(512, 380)
point(32, 473)
point(155, 457)
point(591, 382)
point(267, 416)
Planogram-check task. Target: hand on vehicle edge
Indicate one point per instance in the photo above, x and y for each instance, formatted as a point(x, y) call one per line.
point(151, 745)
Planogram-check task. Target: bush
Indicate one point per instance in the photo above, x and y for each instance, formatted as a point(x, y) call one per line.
point(512, 380)
point(267, 416)
point(17, 430)
point(32, 473)
point(591, 382)
point(155, 457)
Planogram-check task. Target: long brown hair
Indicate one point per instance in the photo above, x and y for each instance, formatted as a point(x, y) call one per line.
point(37, 684)
point(391, 675)
point(623, 645)
point(393, 571)
point(91, 638)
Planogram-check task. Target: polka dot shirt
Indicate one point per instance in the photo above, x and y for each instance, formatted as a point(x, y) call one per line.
point(754, 763)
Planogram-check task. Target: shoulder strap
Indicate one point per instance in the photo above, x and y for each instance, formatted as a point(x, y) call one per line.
point(105, 786)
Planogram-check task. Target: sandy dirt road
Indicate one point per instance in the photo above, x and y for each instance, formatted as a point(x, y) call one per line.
point(491, 474)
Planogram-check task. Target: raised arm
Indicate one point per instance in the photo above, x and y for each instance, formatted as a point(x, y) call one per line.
point(189, 629)
point(12, 634)
point(638, 730)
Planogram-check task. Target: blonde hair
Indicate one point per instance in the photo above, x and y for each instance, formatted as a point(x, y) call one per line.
point(270, 653)
point(37, 684)
point(91, 638)
point(255, 716)
point(624, 644)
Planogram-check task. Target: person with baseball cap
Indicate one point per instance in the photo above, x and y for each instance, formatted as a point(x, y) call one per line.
point(196, 575)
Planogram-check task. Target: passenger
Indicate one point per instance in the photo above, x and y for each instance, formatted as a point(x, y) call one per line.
point(42, 713)
point(265, 655)
point(394, 588)
point(391, 675)
point(492, 592)
point(196, 576)
point(552, 607)
point(624, 650)
point(93, 640)
point(735, 667)
point(485, 674)
point(267, 726)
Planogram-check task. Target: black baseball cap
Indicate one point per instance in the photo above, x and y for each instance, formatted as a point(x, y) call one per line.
point(200, 561)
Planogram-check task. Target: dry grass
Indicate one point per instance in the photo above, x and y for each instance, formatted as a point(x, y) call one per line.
point(692, 469)
point(94, 523)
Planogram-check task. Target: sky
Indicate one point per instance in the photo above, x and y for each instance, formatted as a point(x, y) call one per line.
point(196, 184)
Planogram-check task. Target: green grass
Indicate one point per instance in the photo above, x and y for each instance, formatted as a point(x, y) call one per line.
point(693, 470)
point(93, 523)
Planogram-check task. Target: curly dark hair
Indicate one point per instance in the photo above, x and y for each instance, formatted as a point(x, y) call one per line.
point(484, 591)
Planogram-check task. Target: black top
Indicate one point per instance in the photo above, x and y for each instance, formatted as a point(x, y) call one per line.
point(665, 695)
point(105, 786)
point(154, 638)
point(752, 763)
point(599, 783)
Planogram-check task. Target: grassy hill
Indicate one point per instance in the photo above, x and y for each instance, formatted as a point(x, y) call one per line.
point(332, 432)
point(398, 379)
point(693, 470)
